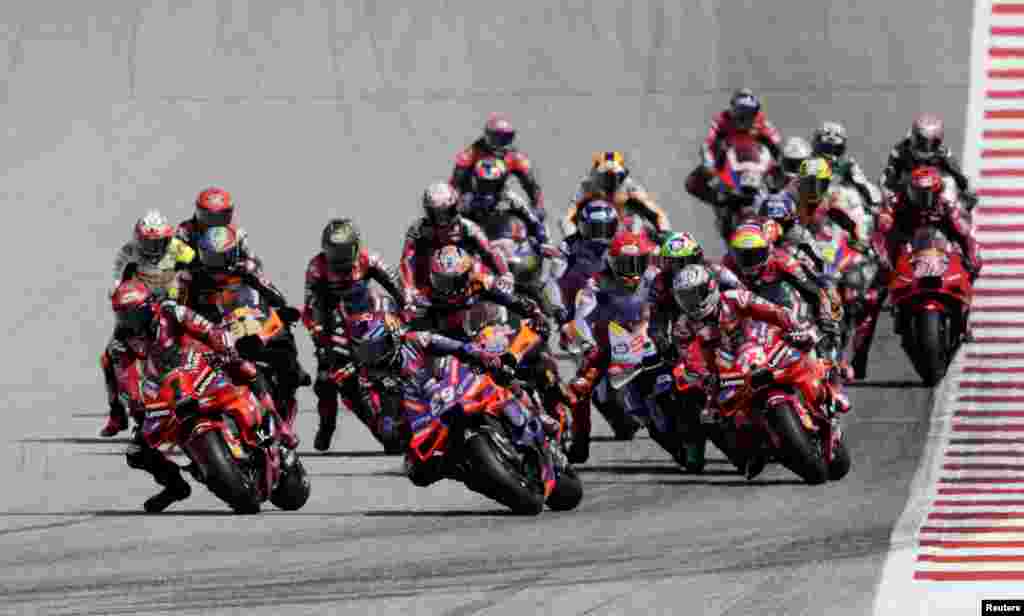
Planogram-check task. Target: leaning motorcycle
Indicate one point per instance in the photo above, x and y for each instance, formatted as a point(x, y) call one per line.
point(222, 429)
point(468, 428)
point(776, 402)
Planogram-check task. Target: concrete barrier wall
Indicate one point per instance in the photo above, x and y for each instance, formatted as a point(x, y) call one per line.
point(306, 110)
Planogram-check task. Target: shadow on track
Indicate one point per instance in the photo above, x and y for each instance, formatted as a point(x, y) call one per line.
point(887, 385)
point(347, 454)
point(632, 469)
point(454, 513)
point(77, 440)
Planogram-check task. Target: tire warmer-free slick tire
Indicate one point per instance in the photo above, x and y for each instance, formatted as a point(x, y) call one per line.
point(797, 450)
point(503, 484)
point(224, 477)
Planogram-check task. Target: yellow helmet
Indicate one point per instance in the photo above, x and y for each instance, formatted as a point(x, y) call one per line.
point(815, 176)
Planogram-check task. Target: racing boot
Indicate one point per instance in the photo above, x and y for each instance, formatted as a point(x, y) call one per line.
point(327, 408)
point(117, 420)
point(164, 472)
point(284, 432)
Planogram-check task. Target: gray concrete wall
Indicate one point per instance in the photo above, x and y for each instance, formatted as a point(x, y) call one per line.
point(304, 110)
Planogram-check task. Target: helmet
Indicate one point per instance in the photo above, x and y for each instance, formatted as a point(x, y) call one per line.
point(610, 171)
point(340, 243)
point(440, 201)
point(779, 207)
point(219, 247)
point(926, 135)
point(153, 234)
point(815, 177)
point(830, 140)
point(375, 338)
point(795, 151)
point(489, 176)
point(498, 133)
point(450, 269)
point(925, 187)
point(132, 302)
point(696, 292)
point(679, 250)
point(214, 207)
point(597, 221)
point(751, 247)
point(743, 108)
point(629, 257)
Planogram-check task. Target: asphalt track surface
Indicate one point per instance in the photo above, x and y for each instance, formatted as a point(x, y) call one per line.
point(309, 111)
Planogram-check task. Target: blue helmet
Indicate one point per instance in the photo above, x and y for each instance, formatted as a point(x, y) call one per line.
point(598, 221)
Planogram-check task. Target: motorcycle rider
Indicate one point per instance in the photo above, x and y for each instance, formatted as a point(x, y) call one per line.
point(382, 347)
point(619, 293)
point(610, 180)
point(744, 116)
point(830, 142)
point(154, 257)
point(578, 254)
point(339, 276)
point(151, 327)
point(215, 207)
point(221, 263)
point(457, 282)
point(923, 145)
point(498, 141)
point(794, 152)
point(713, 317)
point(676, 252)
point(489, 192)
point(441, 225)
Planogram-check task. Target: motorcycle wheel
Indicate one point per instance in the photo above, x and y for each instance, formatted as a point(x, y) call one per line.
point(931, 346)
point(503, 484)
point(799, 453)
point(840, 464)
point(568, 491)
point(292, 489)
point(222, 474)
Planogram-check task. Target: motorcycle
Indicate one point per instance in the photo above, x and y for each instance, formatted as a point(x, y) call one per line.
point(931, 294)
point(467, 427)
point(744, 168)
point(776, 402)
point(222, 429)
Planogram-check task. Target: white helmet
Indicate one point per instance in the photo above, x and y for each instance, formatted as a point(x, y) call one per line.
point(153, 234)
point(696, 291)
point(440, 201)
point(795, 151)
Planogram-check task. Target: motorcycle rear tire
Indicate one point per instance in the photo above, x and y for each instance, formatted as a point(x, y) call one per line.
point(292, 489)
point(502, 483)
point(931, 346)
point(840, 464)
point(798, 452)
point(568, 491)
point(223, 475)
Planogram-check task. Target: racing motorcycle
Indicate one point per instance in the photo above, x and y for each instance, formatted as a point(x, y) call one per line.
point(467, 427)
point(744, 168)
point(221, 427)
point(931, 295)
point(776, 402)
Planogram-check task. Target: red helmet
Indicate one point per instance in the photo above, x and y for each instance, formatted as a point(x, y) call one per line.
point(153, 234)
point(214, 207)
point(450, 269)
point(499, 133)
point(629, 256)
point(925, 187)
point(926, 136)
point(132, 302)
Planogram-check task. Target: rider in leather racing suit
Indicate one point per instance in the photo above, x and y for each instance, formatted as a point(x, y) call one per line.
point(442, 225)
point(621, 293)
point(744, 116)
point(677, 251)
point(155, 258)
point(339, 276)
point(830, 142)
point(489, 192)
point(457, 282)
point(610, 180)
point(924, 145)
point(148, 327)
point(713, 318)
point(579, 256)
point(498, 142)
point(221, 264)
point(382, 349)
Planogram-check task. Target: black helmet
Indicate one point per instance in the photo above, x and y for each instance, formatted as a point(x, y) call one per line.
point(340, 243)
